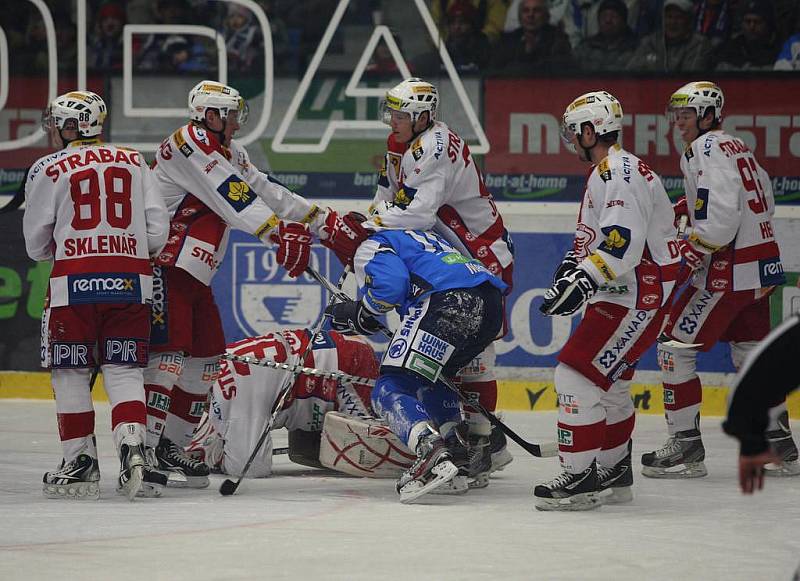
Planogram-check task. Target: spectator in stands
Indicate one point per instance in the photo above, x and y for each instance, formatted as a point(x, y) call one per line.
point(150, 56)
point(66, 35)
point(284, 59)
point(677, 48)
point(105, 42)
point(490, 15)
point(178, 55)
point(613, 46)
point(713, 20)
point(789, 57)
point(33, 57)
point(242, 39)
point(468, 47)
point(382, 64)
point(756, 46)
point(536, 46)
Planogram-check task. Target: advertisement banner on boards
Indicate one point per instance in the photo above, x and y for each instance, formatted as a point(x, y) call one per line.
point(523, 120)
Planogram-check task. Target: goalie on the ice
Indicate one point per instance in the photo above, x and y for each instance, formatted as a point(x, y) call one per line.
point(243, 396)
point(451, 309)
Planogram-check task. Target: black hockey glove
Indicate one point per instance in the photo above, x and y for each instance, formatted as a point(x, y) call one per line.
point(568, 293)
point(568, 264)
point(351, 317)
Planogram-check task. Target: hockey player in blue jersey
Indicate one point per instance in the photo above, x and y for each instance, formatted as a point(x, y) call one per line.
point(451, 309)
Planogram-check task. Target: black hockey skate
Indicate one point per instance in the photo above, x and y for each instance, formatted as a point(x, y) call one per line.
point(432, 469)
point(457, 445)
point(680, 457)
point(783, 445)
point(615, 482)
point(498, 446)
point(131, 470)
point(569, 491)
point(480, 461)
point(77, 480)
point(183, 470)
point(153, 480)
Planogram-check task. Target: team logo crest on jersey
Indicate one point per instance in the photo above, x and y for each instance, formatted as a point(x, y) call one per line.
point(618, 238)
point(236, 192)
point(604, 170)
point(404, 196)
point(416, 150)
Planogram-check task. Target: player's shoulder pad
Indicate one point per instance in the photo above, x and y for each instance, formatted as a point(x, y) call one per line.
point(39, 166)
point(182, 139)
point(604, 169)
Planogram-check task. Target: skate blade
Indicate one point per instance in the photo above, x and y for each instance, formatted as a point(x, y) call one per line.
point(578, 502)
point(784, 470)
point(618, 495)
point(480, 481)
point(177, 479)
point(134, 484)
point(455, 487)
point(443, 473)
point(501, 459)
point(688, 470)
point(75, 491)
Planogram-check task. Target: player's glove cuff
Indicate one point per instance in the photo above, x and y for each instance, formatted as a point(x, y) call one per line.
point(568, 293)
point(352, 317)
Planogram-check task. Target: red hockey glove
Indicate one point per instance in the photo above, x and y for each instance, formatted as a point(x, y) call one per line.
point(693, 258)
point(681, 208)
point(294, 246)
point(344, 235)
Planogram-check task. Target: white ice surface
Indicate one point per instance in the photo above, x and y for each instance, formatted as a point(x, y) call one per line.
point(300, 525)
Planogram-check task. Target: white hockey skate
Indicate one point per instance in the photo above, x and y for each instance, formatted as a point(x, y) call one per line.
point(131, 470)
point(76, 480)
point(431, 470)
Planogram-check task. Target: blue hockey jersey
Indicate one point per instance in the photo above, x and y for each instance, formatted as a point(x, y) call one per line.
point(396, 269)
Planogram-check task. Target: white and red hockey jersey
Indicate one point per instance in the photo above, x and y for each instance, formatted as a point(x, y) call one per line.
point(208, 189)
point(434, 184)
point(243, 396)
point(732, 204)
point(94, 210)
point(625, 238)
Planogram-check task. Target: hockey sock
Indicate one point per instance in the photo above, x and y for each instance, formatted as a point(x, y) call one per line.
point(485, 392)
point(125, 389)
point(682, 404)
point(189, 398)
point(74, 411)
point(620, 421)
point(162, 372)
point(394, 399)
point(581, 419)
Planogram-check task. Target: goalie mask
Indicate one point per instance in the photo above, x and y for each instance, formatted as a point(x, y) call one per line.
point(413, 96)
point(599, 108)
point(699, 96)
point(82, 111)
point(221, 98)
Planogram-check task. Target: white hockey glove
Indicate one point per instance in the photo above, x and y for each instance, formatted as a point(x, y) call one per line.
point(568, 293)
point(568, 264)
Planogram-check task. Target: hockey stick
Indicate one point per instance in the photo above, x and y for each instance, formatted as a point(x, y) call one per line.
point(300, 369)
point(228, 487)
point(544, 450)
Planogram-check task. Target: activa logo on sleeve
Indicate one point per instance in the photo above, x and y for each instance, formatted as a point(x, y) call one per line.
point(105, 287)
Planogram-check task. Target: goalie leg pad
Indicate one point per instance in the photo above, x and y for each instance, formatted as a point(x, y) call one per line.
point(362, 447)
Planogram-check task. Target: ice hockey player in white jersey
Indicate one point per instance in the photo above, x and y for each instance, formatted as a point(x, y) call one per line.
point(429, 181)
point(209, 186)
point(736, 264)
point(93, 211)
point(243, 395)
point(623, 267)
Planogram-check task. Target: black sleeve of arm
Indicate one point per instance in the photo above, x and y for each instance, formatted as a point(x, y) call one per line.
point(767, 378)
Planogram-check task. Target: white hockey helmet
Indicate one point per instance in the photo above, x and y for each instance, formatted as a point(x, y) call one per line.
point(83, 111)
point(214, 95)
point(599, 108)
point(698, 96)
point(413, 96)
